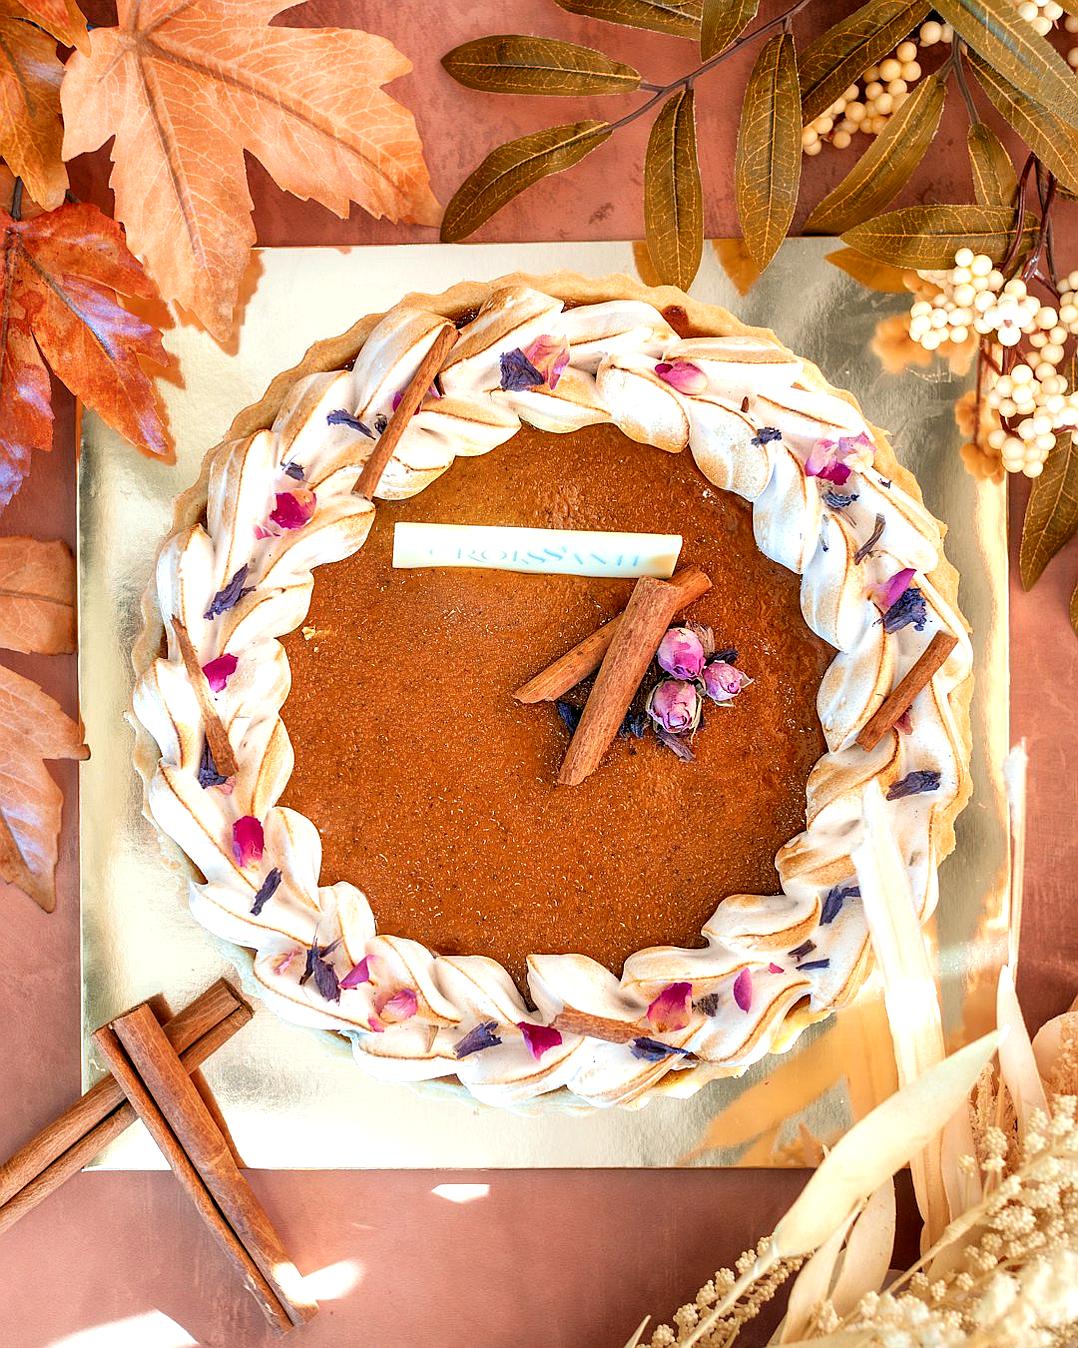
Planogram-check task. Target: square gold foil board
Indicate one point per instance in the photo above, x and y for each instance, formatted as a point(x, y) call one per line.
point(294, 1098)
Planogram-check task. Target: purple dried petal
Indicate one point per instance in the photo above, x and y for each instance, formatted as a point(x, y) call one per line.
point(909, 608)
point(326, 981)
point(832, 904)
point(708, 1004)
point(229, 595)
point(518, 373)
point(343, 418)
point(765, 435)
point(914, 784)
point(671, 1008)
point(358, 974)
point(266, 892)
point(682, 375)
point(728, 655)
point(293, 509)
point(675, 706)
point(650, 1050)
point(475, 1041)
point(814, 964)
point(570, 715)
point(539, 1038)
point(219, 671)
point(675, 744)
point(805, 948)
point(681, 653)
point(207, 769)
point(248, 840)
point(743, 989)
point(295, 470)
point(635, 723)
point(838, 500)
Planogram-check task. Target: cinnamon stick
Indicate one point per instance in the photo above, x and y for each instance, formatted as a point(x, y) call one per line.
point(224, 759)
point(45, 1180)
point(189, 1121)
point(647, 615)
point(599, 1027)
point(901, 696)
point(196, 1032)
point(586, 656)
point(147, 1109)
point(413, 395)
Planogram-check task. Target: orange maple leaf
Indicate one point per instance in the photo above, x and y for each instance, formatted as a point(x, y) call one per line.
point(62, 18)
point(185, 89)
point(30, 129)
point(60, 277)
point(37, 596)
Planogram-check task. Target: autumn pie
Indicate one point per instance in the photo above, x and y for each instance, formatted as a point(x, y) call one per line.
point(387, 835)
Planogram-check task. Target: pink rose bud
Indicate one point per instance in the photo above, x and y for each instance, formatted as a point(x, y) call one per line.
point(549, 355)
point(247, 840)
point(682, 375)
point(293, 508)
point(681, 653)
point(722, 681)
point(675, 705)
point(219, 671)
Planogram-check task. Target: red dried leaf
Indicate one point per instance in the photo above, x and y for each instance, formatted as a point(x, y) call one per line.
point(61, 275)
point(37, 596)
point(186, 89)
point(30, 129)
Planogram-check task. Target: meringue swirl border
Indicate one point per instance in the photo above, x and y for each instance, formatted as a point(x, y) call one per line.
point(615, 343)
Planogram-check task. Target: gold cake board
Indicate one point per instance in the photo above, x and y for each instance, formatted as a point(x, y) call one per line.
point(293, 1098)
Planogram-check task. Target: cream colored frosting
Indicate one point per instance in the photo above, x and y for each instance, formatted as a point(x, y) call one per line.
point(614, 346)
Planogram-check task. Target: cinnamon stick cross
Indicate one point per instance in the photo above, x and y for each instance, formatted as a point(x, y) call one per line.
point(411, 398)
point(900, 698)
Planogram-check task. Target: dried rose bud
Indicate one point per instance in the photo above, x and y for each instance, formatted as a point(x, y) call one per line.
point(549, 355)
point(681, 653)
point(723, 681)
point(682, 375)
point(219, 671)
point(675, 706)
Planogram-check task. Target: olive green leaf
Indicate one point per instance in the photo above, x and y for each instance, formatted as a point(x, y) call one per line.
point(994, 180)
point(722, 21)
point(512, 64)
point(995, 30)
point(844, 52)
point(871, 272)
point(886, 166)
point(927, 237)
point(681, 17)
point(673, 201)
point(1048, 136)
point(767, 167)
point(511, 168)
point(1051, 519)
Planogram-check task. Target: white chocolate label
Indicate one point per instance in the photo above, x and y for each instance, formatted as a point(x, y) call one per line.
point(570, 552)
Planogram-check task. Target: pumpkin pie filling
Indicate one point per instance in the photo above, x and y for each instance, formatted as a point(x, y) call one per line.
point(433, 790)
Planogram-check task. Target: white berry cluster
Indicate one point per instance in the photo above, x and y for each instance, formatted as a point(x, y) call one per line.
point(1041, 15)
point(1032, 400)
point(1070, 23)
point(886, 88)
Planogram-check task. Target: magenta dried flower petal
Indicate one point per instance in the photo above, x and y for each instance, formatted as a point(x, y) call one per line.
point(774, 968)
point(396, 1006)
point(723, 681)
point(294, 508)
point(682, 375)
point(889, 591)
point(904, 723)
point(358, 974)
point(675, 706)
point(829, 459)
point(681, 653)
point(247, 840)
point(550, 356)
point(219, 671)
point(670, 1009)
point(539, 1038)
point(743, 990)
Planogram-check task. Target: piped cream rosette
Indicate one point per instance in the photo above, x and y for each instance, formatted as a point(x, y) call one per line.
point(771, 963)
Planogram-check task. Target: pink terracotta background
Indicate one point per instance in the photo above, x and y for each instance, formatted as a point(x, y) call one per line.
point(563, 1259)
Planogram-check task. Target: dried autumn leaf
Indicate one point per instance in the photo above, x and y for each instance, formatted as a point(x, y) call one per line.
point(1074, 610)
point(32, 728)
point(673, 201)
point(1011, 46)
point(1048, 136)
point(736, 261)
point(511, 168)
point(511, 64)
point(722, 21)
point(1051, 519)
point(186, 89)
point(870, 271)
point(37, 596)
point(62, 18)
point(927, 237)
point(30, 128)
point(994, 179)
point(61, 275)
point(680, 17)
point(840, 56)
point(767, 167)
point(886, 166)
